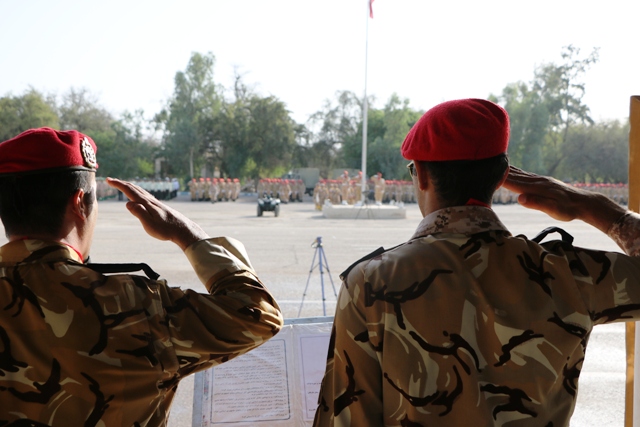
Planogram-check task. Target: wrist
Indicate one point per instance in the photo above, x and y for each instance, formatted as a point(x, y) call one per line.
point(601, 212)
point(189, 236)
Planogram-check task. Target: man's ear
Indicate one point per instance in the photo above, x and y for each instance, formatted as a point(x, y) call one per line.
point(78, 205)
point(504, 178)
point(423, 176)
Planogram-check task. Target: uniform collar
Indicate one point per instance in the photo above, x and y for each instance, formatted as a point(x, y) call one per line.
point(19, 250)
point(465, 220)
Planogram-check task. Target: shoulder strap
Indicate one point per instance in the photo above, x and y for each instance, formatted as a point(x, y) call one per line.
point(123, 268)
point(373, 254)
point(566, 237)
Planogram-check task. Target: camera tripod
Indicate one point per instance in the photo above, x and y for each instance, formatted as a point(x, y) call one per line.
point(322, 262)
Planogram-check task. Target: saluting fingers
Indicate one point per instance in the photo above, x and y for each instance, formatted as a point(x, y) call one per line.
point(132, 191)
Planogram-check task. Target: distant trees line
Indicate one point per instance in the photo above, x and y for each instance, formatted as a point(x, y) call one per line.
point(236, 132)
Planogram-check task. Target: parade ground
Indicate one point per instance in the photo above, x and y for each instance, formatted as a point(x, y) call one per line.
point(282, 252)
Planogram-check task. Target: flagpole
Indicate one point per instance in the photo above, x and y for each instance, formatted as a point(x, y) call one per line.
point(365, 112)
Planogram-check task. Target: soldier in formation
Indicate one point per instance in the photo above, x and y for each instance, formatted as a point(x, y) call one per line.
point(378, 187)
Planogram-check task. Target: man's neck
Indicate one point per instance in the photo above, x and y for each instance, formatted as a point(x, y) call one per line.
point(71, 243)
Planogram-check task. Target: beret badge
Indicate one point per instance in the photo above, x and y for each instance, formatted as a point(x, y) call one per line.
point(88, 154)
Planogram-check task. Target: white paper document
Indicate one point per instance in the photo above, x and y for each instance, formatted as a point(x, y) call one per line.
point(275, 385)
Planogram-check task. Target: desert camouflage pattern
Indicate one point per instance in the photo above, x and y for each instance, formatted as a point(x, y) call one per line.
point(467, 325)
point(81, 348)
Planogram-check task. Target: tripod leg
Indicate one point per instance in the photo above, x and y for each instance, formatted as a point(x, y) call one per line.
point(308, 278)
point(324, 309)
point(326, 264)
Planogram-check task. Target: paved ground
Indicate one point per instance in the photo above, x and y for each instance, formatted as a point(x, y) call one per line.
point(281, 251)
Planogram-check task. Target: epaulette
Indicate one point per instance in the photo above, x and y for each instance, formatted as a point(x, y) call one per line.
point(566, 237)
point(373, 254)
point(123, 268)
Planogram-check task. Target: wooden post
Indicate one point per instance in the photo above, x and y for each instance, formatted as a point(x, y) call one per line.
point(632, 411)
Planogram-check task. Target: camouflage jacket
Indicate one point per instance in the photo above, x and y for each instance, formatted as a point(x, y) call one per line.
point(466, 325)
point(78, 347)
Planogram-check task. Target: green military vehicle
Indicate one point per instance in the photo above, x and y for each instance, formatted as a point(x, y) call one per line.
point(310, 177)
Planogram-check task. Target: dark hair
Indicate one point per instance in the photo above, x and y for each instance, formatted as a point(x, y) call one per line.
point(36, 203)
point(458, 181)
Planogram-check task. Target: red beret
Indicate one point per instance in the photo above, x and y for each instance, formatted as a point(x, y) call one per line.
point(464, 129)
point(46, 150)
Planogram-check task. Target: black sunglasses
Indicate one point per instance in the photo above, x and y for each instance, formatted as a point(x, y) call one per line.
point(412, 170)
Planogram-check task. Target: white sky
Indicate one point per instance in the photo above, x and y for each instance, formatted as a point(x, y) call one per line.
point(303, 51)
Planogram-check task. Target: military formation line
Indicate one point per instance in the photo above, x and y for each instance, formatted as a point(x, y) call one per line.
point(287, 190)
point(214, 189)
point(343, 192)
point(336, 191)
point(616, 192)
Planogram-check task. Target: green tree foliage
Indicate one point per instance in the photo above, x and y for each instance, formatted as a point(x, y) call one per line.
point(334, 133)
point(337, 140)
point(124, 151)
point(271, 134)
point(301, 157)
point(80, 110)
point(234, 146)
point(544, 111)
point(529, 125)
point(596, 152)
point(189, 120)
point(26, 111)
point(562, 89)
point(253, 136)
point(388, 131)
point(257, 135)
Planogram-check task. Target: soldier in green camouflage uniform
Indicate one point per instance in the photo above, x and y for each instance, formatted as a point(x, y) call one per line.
point(466, 324)
point(82, 347)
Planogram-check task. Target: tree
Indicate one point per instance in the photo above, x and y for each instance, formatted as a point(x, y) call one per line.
point(257, 134)
point(562, 89)
point(271, 136)
point(338, 141)
point(27, 111)
point(334, 132)
point(189, 121)
point(80, 110)
point(301, 157)
point(529, 119)
point(596, 152)
point(232, 151)
point(388, 131)
point(125, 151)
point(543, 111)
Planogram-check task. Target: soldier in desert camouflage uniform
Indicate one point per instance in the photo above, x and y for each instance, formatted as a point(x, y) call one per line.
point(379, 186)
point(79, 347)
point(193, 185)
point(465, 324)
point(358, 187)
point(320, 194)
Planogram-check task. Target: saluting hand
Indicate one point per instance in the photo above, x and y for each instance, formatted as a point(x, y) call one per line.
point(561, 201)
point(159, 220)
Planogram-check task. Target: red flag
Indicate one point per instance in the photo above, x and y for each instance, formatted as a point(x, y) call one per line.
point(370, 8)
